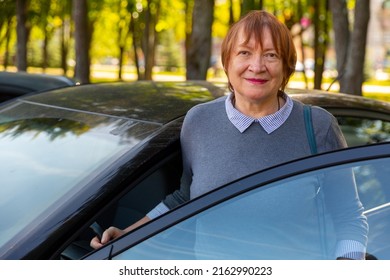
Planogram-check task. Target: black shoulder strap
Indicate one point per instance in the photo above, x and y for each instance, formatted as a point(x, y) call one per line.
point(309, 128)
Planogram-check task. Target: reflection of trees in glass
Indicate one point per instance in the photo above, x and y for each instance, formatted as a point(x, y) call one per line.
point(366, 130)
point(54, 122)
point(153, 102)
point(375, 130)
point(378, 130)
point(51, 126)
point(372, 181)
point(128, 111)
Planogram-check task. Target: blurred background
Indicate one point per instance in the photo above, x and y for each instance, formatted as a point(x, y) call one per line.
point(342, 45)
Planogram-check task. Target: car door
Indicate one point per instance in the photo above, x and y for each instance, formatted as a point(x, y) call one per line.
point(293, 211)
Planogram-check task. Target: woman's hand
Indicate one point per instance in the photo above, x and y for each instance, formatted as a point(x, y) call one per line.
point(108, 234)
point(113, 232)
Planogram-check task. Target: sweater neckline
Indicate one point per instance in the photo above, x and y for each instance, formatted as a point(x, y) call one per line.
point(269, 123)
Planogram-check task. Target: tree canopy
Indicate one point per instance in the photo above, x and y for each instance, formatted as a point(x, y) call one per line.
point(143, 35)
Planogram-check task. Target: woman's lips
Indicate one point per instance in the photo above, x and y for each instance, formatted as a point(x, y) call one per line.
point(257, 81)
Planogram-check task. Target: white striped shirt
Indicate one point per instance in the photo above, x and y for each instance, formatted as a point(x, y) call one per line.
point(269, 123)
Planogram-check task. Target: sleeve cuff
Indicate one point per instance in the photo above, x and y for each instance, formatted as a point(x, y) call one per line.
point(350, 249)
point(160, 209)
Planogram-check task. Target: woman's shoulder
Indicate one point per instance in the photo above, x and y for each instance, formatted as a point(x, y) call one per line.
point(327, 130)
point(207, 108)
point(319, 114)
point(201, 116)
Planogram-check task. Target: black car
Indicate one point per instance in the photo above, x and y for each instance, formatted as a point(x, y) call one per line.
point(108, 153)
point(15, 84)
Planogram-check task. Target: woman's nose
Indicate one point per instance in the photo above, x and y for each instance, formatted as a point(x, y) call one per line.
point(257, 64)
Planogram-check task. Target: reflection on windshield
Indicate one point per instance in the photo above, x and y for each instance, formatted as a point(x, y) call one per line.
point(46, 152)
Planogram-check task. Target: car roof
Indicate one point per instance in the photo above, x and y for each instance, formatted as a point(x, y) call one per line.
point(163, 101)
point(158, 102)
point(330, 100)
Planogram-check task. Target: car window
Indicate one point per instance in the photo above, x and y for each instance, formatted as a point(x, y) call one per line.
point(294, 218)
point(146, 194)
point(47, 153)
point(362, 131)
point(161, 179)
point(373, 184)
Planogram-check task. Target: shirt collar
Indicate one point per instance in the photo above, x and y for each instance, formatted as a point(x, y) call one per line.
point(269, 123)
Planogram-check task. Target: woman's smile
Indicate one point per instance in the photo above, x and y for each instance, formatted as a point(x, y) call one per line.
point(256, 81)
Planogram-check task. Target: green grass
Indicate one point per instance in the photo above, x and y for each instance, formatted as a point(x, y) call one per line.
point(378, 96)
point(384, 83)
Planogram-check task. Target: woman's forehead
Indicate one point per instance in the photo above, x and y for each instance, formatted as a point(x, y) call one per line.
point(261, 39)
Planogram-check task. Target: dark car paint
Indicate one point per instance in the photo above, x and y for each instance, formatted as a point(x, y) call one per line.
point(343, 104)
point(157, 102)
point(164, 103)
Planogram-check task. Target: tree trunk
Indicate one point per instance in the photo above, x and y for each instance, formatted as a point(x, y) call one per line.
point(45, 52)
point(82, 35)
point(135, 48)
point(246, 6)
point(64, 48)
point(341, 33)
point(353, 79)
point(199, 52)
point(231, 13)
point(120, 62)
point(22, 34)
point(7, 43)
point(147, 45)
point(189, 6)
point(150, 37)
point(320, 41)
point(66, 31)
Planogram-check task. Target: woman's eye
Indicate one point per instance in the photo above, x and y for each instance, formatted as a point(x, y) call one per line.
point(243, 52)
point(271, 56)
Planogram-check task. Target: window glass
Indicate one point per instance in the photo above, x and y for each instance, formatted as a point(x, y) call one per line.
point(373, 183)
point(47, 152)
point(359, 131)
point(297, 218)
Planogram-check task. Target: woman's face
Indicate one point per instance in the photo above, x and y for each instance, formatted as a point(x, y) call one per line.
point(255, 72)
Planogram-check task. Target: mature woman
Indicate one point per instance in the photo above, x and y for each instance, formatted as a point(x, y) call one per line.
point(255, 127)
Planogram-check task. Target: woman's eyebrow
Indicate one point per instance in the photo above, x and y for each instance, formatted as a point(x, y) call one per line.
point(269, 49)
point(245, 44)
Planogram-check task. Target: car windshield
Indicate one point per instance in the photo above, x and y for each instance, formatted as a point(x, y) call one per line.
point(46, 152)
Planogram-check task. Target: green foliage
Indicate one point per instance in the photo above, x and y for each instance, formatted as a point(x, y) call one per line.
point(110, 23)
point(110, 20)
point(104, 36)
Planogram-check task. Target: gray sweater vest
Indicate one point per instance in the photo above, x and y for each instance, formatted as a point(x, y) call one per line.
point(215, 152)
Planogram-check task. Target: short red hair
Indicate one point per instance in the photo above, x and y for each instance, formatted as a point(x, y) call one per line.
point(253, 24)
